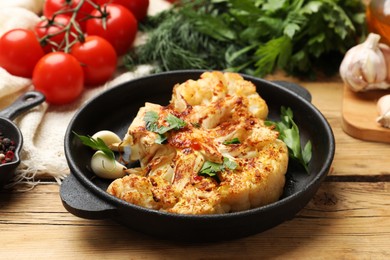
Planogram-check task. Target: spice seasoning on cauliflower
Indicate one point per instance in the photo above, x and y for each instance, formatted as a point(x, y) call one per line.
point(217, 155)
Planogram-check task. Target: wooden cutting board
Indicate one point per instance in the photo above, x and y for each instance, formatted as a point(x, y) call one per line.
point(359, 113)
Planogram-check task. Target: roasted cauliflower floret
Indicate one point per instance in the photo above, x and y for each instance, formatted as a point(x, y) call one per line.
point(149, 192)
point(142, 142)
point(198, 168)
point(214, 86)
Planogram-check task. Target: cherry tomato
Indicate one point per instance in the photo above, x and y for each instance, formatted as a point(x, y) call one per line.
point(59, 77)
point(98, 59)
point(19, 52)
point(138, 7)
point(118, 26)
point(51, 33)
point(51, 7)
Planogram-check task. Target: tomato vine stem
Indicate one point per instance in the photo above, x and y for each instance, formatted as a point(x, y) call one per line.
point(78, 35)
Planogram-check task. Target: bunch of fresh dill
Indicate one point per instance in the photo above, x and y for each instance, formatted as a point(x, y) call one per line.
point(252, 36)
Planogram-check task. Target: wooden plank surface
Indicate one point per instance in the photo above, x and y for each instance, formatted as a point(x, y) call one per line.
point(349, 218)
point(341, 222)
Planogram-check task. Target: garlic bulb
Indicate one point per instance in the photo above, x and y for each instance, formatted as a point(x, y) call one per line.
point(383, 106)
point(366, 66)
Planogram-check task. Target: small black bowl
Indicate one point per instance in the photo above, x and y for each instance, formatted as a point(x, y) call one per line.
point(84, 195)
point(10, 130)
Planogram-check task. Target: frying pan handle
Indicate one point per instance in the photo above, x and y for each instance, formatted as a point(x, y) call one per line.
point(81, 202)
point(28, 100)
point(301, 91)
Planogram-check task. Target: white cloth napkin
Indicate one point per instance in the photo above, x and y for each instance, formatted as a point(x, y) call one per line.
point(44, 126)
point(34, 6)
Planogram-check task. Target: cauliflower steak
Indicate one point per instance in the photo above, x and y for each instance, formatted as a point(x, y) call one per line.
point(207, 152)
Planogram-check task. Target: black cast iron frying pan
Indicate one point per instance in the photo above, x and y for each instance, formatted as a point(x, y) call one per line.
point(84, 195)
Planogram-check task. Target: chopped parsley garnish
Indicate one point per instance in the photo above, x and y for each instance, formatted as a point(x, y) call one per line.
point(289, 134)
point(160, 139)
point(210, 169)
point(232, 165)
point(174, 123)
point(151, 119)
point(232, 141)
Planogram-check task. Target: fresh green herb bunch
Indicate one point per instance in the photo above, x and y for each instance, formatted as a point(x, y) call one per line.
point(175, 43)
point(253, 36)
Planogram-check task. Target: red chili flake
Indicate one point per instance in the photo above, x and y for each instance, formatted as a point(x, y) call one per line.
point(7, 149)
point(10, 154)
point(198, 178)
point(196, 146)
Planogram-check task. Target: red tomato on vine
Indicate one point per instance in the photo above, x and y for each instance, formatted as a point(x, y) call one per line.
point(52, 7)
point(52, 33)
point(116, 24)
point(59, 76)
point(19, 52)
point(138, 7)
point(98, 59)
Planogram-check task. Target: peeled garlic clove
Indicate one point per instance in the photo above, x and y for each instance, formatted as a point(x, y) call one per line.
point(110, 138)
point(383, 106)
point(106, 167)
point(364, 66)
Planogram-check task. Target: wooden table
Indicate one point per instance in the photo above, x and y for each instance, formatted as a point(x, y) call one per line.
point(349, 217)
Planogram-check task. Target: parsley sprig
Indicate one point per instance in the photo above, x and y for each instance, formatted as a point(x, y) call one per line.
point(96, 144)
point(289, 134)
point(232, 141)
